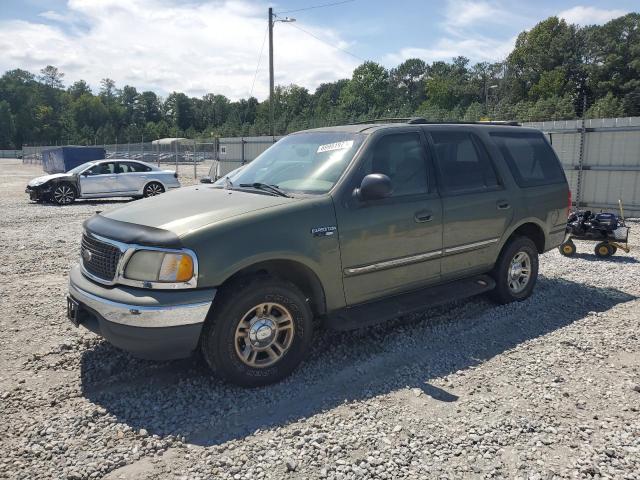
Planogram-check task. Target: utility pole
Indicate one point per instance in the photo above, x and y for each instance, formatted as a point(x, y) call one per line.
point(271, 127)
point(272, 21)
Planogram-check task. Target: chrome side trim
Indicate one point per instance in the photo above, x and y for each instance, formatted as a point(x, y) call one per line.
point(471, 246)
point(142, 316)
point(127, 250)
point(398, 262)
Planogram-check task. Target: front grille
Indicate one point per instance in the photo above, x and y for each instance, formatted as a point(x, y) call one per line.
point(99, 258)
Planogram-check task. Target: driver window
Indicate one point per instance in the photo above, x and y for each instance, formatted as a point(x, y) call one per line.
point(102, 169)
point(402, 158)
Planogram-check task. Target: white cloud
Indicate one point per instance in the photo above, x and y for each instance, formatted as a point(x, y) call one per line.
point(166, 46)
point(583, 15)
point(477, 49)
point(463, 21)
point(468, 13)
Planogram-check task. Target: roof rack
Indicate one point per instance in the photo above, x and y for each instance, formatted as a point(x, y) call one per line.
point(424, 121)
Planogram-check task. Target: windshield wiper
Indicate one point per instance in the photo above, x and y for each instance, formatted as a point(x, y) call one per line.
point(267, 188)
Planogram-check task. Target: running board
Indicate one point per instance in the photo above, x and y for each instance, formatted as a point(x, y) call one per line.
point(373, 313)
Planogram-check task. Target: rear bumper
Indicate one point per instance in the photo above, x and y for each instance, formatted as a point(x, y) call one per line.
point(158, 325)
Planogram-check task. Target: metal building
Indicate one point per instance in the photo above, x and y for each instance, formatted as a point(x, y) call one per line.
point(608, 168)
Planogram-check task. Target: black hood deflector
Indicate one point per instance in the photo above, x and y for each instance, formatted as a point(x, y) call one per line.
point(131, 232)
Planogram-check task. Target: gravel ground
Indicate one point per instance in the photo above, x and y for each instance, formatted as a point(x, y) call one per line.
point(547, 388)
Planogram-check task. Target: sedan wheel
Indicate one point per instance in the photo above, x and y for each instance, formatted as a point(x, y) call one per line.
point(153, 189)
point(64, 194)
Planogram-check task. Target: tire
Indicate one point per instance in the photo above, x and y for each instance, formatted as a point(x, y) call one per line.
point(518, 257)
point(604, 250)
point(152, 189)
point(231, 343)
point(568, 249)
point(63, 194)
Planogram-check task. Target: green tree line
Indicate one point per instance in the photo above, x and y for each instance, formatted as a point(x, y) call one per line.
point(553, 71)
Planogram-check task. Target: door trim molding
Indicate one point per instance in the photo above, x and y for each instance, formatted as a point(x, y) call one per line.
point(471, 246)
point(398, 262)
point(421, 257)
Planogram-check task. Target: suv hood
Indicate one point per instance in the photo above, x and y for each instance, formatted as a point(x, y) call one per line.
point(46, 178)
point(189, 208)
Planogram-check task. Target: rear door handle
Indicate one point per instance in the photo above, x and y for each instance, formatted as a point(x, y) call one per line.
point(423, 216)
point(503, 205)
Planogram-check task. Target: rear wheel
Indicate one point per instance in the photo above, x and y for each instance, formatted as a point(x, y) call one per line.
point(258, 331)
point(152, 189)
point(63, 194)
point(604, 250)
point(568, 248)
point(516, 271)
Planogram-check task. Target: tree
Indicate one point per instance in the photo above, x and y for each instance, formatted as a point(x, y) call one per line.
point(606, 107)
point(79, 88)
point(107, 89)
point(51, 77)
point(367, 93)
point(551, 44)
point(407, 79)
point(7, 126)
point(179, 109)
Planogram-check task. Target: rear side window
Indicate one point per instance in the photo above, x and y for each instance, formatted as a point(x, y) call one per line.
point(463, 165)
point(131, 167)
point(530, 158)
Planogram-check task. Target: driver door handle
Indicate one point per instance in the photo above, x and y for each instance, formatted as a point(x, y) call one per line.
point(503, 205)
point(423, 216)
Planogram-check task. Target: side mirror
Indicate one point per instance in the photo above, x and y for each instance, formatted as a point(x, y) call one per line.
point(85, 173)
point(206, 180)
point(374, 186)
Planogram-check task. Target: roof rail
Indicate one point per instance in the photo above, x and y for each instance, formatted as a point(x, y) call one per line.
point(424, 121)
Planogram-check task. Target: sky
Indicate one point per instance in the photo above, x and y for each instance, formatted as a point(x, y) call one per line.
point(214, 46)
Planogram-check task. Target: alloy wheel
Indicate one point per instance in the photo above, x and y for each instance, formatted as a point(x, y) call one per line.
point(264, 334)
point(153, 189)
point(63, 194)
point(519, 272)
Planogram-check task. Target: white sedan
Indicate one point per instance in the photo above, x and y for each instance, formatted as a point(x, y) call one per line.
point(101, 179)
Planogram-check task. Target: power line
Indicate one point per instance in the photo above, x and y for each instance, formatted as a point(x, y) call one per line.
point(264, 39)
point(318, 6)
point(326, 43)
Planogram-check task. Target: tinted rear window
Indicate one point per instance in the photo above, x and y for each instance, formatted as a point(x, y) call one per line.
point(530, 158)
point(463, 166)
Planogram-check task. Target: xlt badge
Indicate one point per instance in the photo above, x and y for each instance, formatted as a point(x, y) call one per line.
point(324, 231)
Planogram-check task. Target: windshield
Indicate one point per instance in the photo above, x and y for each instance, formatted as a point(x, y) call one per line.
point(80, 168)
point(305, 163)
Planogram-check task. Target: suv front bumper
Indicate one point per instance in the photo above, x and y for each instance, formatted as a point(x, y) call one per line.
point(153, 324)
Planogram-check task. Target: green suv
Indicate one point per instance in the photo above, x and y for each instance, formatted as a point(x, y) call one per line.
point(343, 226)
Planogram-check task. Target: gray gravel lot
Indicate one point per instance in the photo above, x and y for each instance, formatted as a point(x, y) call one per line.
point(547, 388)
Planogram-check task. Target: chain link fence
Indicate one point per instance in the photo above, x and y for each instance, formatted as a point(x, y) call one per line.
point(224, 154)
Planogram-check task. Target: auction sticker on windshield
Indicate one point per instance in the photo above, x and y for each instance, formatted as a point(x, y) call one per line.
point(330, 147)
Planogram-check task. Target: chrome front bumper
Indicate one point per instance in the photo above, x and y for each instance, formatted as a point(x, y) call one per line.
point(153, 324)
point(144, 316)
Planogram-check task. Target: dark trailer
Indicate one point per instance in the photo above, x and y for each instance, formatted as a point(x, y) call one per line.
point(63, 159)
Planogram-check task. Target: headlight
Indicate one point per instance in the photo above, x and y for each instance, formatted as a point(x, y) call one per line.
point(159, 266)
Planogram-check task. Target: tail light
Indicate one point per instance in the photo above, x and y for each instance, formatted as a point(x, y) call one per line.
point(569, 206)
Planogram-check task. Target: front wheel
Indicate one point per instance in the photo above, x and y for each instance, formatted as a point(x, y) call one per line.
point(258, 332)
point(516, 271)
point(63, 194)
point(152, 189)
